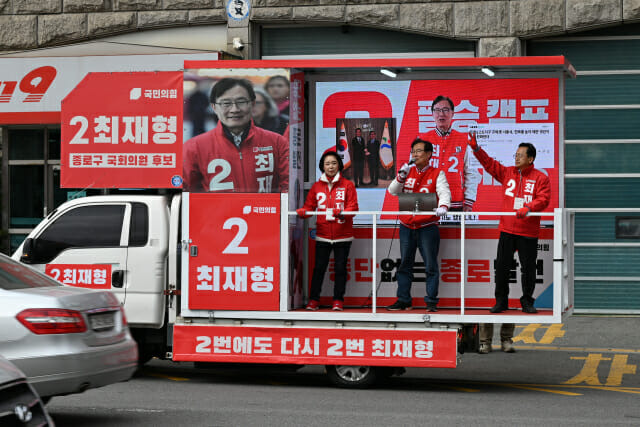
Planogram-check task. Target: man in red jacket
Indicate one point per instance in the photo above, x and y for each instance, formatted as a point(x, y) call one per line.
point(235, 156)
point(450, 153)
point(420, 231)
point(525, 190)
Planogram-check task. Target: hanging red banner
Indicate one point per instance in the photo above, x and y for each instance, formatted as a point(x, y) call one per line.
point(123, 130)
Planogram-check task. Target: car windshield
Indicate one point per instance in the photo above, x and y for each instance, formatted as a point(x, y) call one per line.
point(16, 276)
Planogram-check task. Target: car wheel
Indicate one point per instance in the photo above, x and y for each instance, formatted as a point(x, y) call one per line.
point(353, 376)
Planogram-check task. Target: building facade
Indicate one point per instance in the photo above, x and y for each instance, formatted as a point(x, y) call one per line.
point(601, 38)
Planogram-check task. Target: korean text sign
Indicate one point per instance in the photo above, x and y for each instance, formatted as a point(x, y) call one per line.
point(92, 276)
point(236, 261)
point(370, 347)
point(505, 112)
point(123, 130)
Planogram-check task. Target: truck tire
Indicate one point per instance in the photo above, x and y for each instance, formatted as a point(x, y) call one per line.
point(353, 376)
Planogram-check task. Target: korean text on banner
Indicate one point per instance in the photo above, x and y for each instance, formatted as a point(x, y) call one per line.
point(92, 276)
point(236, 263)
point(123, 130)
point(331, 346)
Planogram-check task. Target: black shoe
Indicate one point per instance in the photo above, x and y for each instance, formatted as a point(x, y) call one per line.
point(529, 309)
point(497, 308)
point(399, 305)
point(432, 307)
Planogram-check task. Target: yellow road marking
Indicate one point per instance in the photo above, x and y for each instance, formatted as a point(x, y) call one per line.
point(465, 389)
point(633, 390)
point(577, 349)
point(168, 377)
point(546, 390)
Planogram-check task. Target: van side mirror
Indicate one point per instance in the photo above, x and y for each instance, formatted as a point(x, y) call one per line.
point(27, 251)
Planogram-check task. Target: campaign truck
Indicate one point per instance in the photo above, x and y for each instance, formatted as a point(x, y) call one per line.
point(220, 273)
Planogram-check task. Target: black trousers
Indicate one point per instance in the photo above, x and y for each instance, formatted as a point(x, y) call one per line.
point(527, 248)
point(323, 253)
point(373, 169)
point(358, 171)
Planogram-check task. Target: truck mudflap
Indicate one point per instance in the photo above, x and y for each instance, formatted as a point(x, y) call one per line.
point(316, 346)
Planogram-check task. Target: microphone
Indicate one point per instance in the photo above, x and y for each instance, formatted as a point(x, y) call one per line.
point(412, 161)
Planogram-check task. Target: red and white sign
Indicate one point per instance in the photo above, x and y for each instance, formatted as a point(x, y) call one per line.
point(368, 347)
point(480, 252)
point(123, 130)
point(32, 89)
point(505, 111)
point(92, 276)
point(234, 260)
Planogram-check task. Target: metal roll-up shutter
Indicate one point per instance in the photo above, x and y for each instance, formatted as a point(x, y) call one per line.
point(602, 163)
point(297, 42)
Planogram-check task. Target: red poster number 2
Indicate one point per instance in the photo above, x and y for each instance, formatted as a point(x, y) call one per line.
point(234, 246)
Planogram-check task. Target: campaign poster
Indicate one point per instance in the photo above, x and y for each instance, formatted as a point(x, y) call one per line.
point(234, 257)
point(236, 130)
point(505, 112)
point(122, 130)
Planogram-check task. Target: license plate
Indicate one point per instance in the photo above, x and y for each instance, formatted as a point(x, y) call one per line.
point(102, 321)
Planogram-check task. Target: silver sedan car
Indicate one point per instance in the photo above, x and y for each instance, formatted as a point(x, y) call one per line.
point(65, 339)
point(19, 403)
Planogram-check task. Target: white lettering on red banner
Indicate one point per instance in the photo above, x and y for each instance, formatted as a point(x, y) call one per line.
point(94, 276)
point(128, 123)
point(237, 266)
point(315, 345)
point(122, 160)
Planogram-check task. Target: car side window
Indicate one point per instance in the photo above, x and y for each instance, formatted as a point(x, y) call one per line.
point(139, 227)
point(86, 226)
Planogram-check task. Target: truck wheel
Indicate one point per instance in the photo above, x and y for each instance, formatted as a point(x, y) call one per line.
point(352, 376)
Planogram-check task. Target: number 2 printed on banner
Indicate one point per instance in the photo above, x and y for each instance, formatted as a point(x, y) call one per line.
point(234, 246)
point(216, 183)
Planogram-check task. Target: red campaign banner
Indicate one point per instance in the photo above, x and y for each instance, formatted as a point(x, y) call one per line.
point(92, 276)
point(237, 240)
point(503, 111)
point(524, 101)
point(480, 253)
point(123, 130)
point(321, 346)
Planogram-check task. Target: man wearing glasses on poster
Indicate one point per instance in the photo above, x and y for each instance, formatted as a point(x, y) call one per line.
point(236, 156)
point(452, 156)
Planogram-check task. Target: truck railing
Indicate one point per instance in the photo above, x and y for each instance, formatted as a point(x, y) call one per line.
point(562, 253)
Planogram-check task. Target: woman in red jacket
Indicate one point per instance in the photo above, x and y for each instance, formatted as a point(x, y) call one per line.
point(332, 194)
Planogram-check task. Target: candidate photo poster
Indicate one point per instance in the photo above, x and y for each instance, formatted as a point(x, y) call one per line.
point(504, 113)
point(256, 159)
point(367, 149)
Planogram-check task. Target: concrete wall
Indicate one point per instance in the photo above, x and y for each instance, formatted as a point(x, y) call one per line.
point(497, 25)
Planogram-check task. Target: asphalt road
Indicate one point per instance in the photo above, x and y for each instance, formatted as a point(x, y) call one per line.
point(582, 373)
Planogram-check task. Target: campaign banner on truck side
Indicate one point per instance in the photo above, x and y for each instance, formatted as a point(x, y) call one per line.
point(92, 276)
point(255, 105)
point(353, 115)
point(234, 256)
point(123, 130)
point(330, 346)
point(480, 252)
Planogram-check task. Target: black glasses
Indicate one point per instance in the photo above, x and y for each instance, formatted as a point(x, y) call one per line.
point(240, 103)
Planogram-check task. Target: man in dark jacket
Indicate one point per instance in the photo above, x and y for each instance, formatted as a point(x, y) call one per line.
point(373, 157)
point(357, 144)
